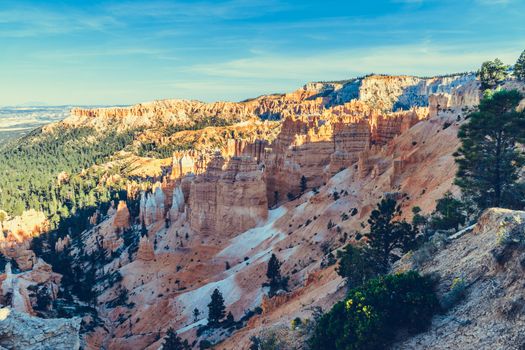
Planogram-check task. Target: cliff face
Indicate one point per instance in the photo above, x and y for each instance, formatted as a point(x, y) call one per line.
point(318, 147)
point(230, 197)
point(385, 93)
point(121, 220)
point(403, 92)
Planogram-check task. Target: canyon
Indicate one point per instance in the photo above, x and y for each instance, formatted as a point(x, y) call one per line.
point(210, 217)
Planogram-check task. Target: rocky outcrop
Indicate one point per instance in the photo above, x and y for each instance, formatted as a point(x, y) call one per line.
point(461, 97)
point(310, 146)
point(21, 331)
point(489, 262)
point(121, 220)
point(146, 250)
point(389, 93)
point(22, 228)
point(152, 205)
point(229, 197)
point(178, 203)
point(16, 287)
point(62, 243)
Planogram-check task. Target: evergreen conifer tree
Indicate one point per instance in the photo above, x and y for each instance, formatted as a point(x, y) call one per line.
point(519, 67)
point(173, 342)
point(216, 308)
point(303, 184)
point(492, 73)
point(387, 235)
point(489, 158)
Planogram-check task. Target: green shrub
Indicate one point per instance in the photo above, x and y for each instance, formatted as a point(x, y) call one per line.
point(455, 294)
point(449, 213)
point(372, 314)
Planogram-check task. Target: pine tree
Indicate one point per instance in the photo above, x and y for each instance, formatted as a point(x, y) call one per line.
point(492, 73)
point(387, 235)
point(519, 67)
point(303, 184)
point(489, 158)
point(173, 342)
point(196, 314)
point(275, 280)
point(356, 265)
point(216, 308)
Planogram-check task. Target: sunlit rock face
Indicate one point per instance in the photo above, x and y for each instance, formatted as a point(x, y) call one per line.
point(152, 205)
point(121, 220)
point(18, 289)
point(146, 250)
point(465, 96)
point(317, 147)
point(229, 197)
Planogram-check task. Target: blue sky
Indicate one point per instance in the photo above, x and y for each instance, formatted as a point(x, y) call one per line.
point(123, 52)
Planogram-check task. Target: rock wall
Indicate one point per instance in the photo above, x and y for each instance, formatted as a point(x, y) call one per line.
point(460, 97)
point(229, 197)
point(311, 146)
point(389, 93)
point(121, 220)
point(15, 291)
point(146, 250)
point(153, 205)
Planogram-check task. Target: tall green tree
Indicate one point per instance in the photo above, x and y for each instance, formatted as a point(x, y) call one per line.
point(303, 184)
point(489, 159)
point(388, 235)
point(356, 265)
point(174, 342)
point(216, 308)
point(492, 73)
point(276, 281)
point(519, 67)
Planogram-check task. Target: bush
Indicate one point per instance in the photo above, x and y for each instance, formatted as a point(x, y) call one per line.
point(372, 314)
point(456, 293)
point(428, 249)
point(449, 213)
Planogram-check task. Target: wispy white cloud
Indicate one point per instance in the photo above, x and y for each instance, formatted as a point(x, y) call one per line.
point(23, 21)
point(422, 59)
